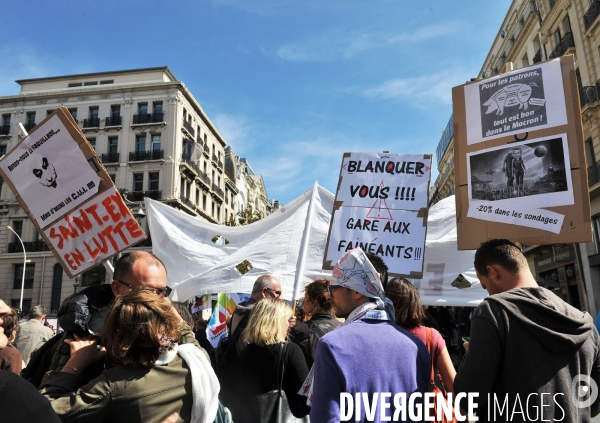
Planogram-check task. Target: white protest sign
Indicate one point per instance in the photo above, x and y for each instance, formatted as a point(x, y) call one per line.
point(384, 181)
point(96, 231)
point(50, 173)
point(381, 207)
point(515, 102)
point(545, 220)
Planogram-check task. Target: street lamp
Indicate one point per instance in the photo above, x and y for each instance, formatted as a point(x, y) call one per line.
point(24, 266)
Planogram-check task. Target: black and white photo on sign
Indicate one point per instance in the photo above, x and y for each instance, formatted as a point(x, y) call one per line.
point(533, 173)
point(515, 102)
point(399, 237)
point(385, 181)
point(50, 172)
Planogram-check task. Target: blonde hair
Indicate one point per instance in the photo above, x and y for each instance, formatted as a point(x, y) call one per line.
point(268, 322)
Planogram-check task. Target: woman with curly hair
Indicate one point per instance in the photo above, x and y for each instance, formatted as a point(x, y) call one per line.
point(317, 306)
point(10, 357)
point(410, 316)
point(152, 376)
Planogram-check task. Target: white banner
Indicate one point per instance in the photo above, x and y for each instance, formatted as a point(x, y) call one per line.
point(545, 220)
point(50, 172)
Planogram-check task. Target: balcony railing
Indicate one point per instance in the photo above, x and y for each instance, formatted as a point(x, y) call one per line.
point(140, 156)
point(110, 158)
point(218, 191)
point(206, 151)
point(214, 158)
point(220, 164)
point(30, 247)
point(29, 126)
point(139, 195)
point(204, 178)
point(591, 14)
point(91, 123)
point(113, 121)
point(187, 202)
point(191, 164)
point(148, 118)
point(5, 129)
point(188, 126)
point(565, 42)
point(538, 56)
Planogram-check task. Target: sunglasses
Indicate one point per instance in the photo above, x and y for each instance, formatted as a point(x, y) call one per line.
point(278, 293)
point(162, 292)
point(332, 288)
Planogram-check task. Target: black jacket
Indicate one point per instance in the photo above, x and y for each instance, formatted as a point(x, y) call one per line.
point(306, 338)
point(524, 343)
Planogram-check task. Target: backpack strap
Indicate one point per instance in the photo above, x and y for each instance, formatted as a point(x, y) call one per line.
point(315, 328)
point(430, 349)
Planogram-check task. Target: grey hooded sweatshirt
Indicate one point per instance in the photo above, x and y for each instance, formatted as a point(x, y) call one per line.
point(526, 347)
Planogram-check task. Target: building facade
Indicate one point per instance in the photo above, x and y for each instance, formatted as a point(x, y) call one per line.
point(153, 138)
point(533, 31)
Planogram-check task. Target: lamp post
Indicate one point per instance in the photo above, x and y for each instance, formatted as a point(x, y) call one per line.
point(24, 266)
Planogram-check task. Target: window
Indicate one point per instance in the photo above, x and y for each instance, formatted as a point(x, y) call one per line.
point(153, 181)
point(143, 108)
point(138, 182)
point(226, 196)
point(557, 37)
point(203, 201)
point(18, 279)
point(115, 111)
point(198, 196)
point(38, 236)
point(31, 118)
point(26, 304)
point(158, 107)
point(92, 142)
point(113, 145)
point(49, 112)
point(74, 84)
point(218, 213)
point(182, 187)
point(589, 152)
point(87, 84)
point(140, 143)
point(2, 150)
point(73, 114)
point(107, 81)
point(198, 137)
point(56, 286)
point(205, 168)
point(5, 120)
point(219, 181)
point(93, 113)
point(567, 24)
point(17, 226)
point(156, 142)
point(205, 138)
point(113, 178)
point(95, 276)
point(213, 210)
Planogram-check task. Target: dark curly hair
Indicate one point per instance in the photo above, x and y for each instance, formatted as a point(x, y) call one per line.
point(133, 324)
point(10, 323)
point(317, 291)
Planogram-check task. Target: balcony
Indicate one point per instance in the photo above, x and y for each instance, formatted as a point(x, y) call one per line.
point(187, 202)
point(591, 14)
point(538, 56)
point(139, 195)
point(113, 121)
point(214, 159)
point(147, 118)
point(206, 151)
point(29, 126)
point(5, 129)
point(110, 158)
point(30, 247)
point(588, 94)
point(218, 191)
point(220, 164)
point(91, 123)
point(140, 156)
point(561, 48)
point(188, 127)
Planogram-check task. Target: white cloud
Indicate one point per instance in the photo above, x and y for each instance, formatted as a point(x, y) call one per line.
point(236, 130)
point(337, 44)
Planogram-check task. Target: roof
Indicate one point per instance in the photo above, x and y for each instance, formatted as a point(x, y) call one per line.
point(85, 75)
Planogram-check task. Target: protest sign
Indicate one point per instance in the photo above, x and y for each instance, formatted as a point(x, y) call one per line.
point(49, 171)
point(93, 233)
point(525, 179)
point(65, 190)
point(381, 207)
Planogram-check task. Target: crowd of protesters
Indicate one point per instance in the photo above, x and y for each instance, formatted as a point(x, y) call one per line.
point(128, 354)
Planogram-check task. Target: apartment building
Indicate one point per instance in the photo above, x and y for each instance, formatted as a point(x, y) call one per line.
point(533, 31)
point(155, 141)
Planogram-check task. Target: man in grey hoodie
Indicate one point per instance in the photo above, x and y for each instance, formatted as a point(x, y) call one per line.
point(532, 356)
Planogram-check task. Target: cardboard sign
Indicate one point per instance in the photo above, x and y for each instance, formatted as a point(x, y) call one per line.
point(94, 232)
point(65, 190)
point(524, 179)
point(49, 172)
point(381, 207)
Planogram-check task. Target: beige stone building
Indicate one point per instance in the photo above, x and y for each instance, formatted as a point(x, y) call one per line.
point(154, 139)
point(533, 31)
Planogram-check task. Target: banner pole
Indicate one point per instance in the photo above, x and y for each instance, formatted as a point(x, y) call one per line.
point(302, 265)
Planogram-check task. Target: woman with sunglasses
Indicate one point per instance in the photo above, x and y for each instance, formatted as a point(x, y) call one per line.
point(150, 377)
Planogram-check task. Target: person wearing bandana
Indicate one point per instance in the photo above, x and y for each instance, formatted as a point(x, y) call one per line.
point(368, 353)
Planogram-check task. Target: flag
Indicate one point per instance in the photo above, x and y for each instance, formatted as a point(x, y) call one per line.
point(217, 325)
point(201, 303)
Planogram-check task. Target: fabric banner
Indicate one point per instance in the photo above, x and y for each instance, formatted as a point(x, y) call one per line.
point(201, 303)
point(272, 245)
point(217, 325)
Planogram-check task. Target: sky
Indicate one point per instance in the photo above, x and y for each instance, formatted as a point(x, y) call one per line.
point(291, 85)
